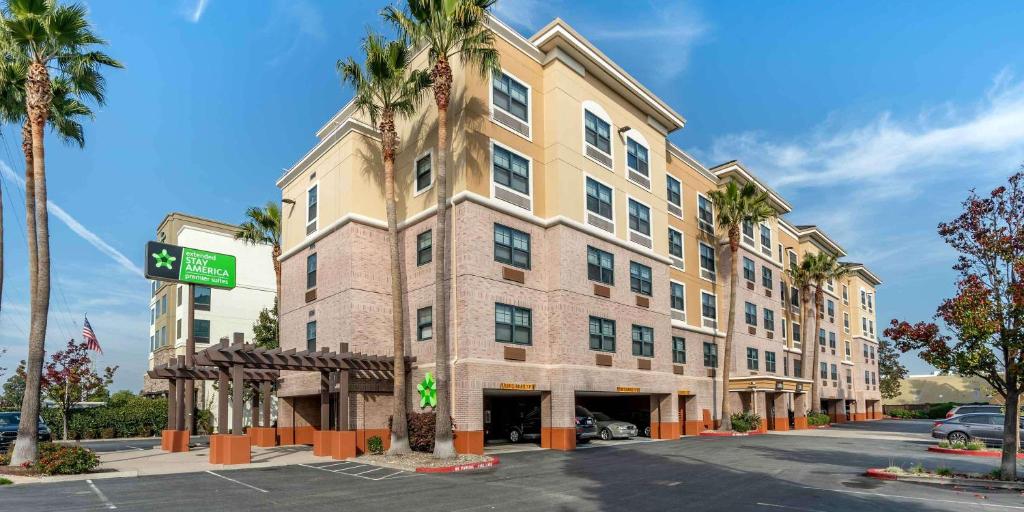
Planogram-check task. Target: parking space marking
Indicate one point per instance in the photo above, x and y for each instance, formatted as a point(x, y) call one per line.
point(100, 495)
point(237, 482)
point(787, 507)
point(367, 471)
point(881, 495)
point(400, 473)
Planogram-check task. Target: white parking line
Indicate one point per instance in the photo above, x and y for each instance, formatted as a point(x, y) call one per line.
point(100, 494)
point(367, 471)
point(346, 468)
point(237, 482)
point(773, 505)
point(346, 471)
point(955, 502)
point(336, 464)
point(135, 448)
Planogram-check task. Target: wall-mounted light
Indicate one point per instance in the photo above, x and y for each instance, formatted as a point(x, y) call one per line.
point(624, 129)
point(288, 201)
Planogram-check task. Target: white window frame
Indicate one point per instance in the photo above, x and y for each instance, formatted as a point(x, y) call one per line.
point(650, 220)
point(771, 238)
point(639, 138)
point(495, 184)
point(680, 205)
point(680, 283)
point(601, 113)
point(529, 106)
point(585, 210)
point(796, 258)
point(700, 223)
point(701, 267)
point(682, 245)
point(753, 244)
point(702, 317)
point(846, 295)
point(315, 220)
point(433, 172)
point(846, 322)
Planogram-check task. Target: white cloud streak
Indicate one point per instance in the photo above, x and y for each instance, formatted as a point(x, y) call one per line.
point(80, 230)
point(197, 12)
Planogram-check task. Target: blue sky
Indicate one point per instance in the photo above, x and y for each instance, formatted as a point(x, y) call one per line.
point(873, 118)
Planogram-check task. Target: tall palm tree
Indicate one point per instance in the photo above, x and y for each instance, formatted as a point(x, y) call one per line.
point(736, 205)
point(449, 29)
point(386, 88)
point(263, 226)
point(49, 37)
point(819, 268)
point(800, 279)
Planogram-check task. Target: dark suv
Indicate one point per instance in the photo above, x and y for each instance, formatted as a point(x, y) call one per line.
point(529, 426)
point(9, 429)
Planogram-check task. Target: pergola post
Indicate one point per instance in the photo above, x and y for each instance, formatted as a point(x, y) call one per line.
point(325, 404)
point(265, 390)
point(237, 387)
point(190, 352)
point(343, 387)
point(172, 407)
point(179, 401)
point(222, 400)
point(254, 406)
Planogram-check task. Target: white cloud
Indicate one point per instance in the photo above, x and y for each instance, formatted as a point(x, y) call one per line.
point(294, 23)
point(80, 230)
point(197, 12)
point(527, 14)
point(665, 36)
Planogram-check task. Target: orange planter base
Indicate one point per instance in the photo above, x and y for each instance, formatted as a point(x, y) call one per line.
point(800, 423)
point(230, 449)
point(665, 430)
point(322, 442)
point(469, 442)
point(343, 444)
point(559, 438)
point(693, 427)
point(781, 424)
point(263, 436)
point(174, 440)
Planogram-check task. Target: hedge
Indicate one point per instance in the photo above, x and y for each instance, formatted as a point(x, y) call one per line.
point(131, 416)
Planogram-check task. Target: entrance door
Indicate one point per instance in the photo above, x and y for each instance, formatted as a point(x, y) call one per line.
point(682, 415)
point(769, 407)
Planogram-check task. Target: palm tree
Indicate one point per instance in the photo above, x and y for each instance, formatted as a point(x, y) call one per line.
point(385, 87)
point(819, 268)
point(449, 29)
point(800, 278)
point(263, 226)
point(48, 37)
point(736, 205)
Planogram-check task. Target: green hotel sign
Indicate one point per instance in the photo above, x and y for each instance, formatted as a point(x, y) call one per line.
point(166, 262)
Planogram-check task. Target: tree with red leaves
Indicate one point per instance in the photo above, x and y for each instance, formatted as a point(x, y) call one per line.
point(70, 378)
point(986, 316)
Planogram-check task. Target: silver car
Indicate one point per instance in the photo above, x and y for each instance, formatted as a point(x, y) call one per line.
point(985, 427)
point(613, 429)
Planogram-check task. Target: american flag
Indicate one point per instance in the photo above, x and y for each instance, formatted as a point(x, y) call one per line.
point(91, 343)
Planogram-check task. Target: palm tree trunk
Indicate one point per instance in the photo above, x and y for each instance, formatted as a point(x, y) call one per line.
point(276, 254)
point(39, 96)
point(444, 446)
point(727, 350)
point(399, 423)
point(30, 210)
point(816, 375)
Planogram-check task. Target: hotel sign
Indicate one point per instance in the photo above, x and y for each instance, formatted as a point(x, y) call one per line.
point(627, 389)
point(517, 386)
point(177, 264)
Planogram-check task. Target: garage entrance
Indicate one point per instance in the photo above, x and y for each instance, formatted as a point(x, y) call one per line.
point(609, 408)
point(512, 417)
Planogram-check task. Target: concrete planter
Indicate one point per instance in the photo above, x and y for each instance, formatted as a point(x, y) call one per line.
point(882, 474)
point(970, 453)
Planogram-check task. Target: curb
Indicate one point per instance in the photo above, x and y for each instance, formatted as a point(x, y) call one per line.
point(819, 427)
point(881, 474)
point(29, 480)
point(460, 467)
point(714, 433)
point(970, 453)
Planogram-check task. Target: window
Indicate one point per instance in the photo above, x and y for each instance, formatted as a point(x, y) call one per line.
point(769, 361)
point(425, 323)
point(643, 341)
point(849, 376)
point(863, 299)
point(832, 340)
point(871, 327)
point(766, 277)
point(871, 304)
point(674, 191)
point(867, 377)
point(874, 379)
point(179, 294)
point(708, 308)
point(705, 214)
point(865, 346)
point(710, 355)
point(152, 315)
point(511, 170)
point(748, 269)
point(748, 232)
point(639, 218)
point(597, 132)
point(769, 319)
point(848, 351)
point(311, 271)
point(707, 261)
point(798, 368)
point(512, 324)
point(821, 337)
point(636, 156)
point(835, 372)
point(639, 278)
point(511, 96)
point(751, 358)
point(600, 266)
point(599, 198)
point(424, 178)
point(177, 328)
point(794, 297)
point(163, 305)
point(311, 336)
point(201, 331)
point(511, 247)
point(766, 239)
point(792, 260)
point(677, 296)
point(872, 351)
point(602, 334)
point(785, 332)
point(678, 350)
point(796, 332)
point(824, 371)
point(424, 247)
point(846, 294)
point(311, 209)
point(751, 314)
point(675, 243)
point(202, 296)
point(864, 325)
point(831, 307)
point(846, 323)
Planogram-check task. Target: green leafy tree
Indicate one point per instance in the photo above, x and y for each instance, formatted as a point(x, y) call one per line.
point(890, 371)
point(262, 226)
point(735, 205)
point(264, 331)
point(385, 88)
point(70, 378)
point(818, 268)
point(56, 41)
point(986, 314)
point(14, 388)
point(449, 29)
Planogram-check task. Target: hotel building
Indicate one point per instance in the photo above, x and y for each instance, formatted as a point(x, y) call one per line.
point(584, 268)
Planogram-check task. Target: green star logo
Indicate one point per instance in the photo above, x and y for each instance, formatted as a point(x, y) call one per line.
point(428, 391)
point(164, 260)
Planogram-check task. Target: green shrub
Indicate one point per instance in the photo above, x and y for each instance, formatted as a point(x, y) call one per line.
point(107, 433)
point(125, 413)
point(944, 472)
point(375, 445)
point(4, 481)
point(917, 469)
point(204, 421)
point(975, 444)
point(65, 459)
point(906, 414)
point(817, 419)
point(745, 421)
point(938, 411)
point(944, 444)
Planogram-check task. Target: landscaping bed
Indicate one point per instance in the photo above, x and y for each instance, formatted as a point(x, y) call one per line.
point(943, 476)
point(426, 463)
point(970, 448)
point(716, 433)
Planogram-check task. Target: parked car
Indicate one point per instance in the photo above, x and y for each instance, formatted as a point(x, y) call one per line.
point(642, 420)
point(586, 426)
point(985, 427)
point(973, 409)
point(529, 426)
point(607, 428)
point(9, 429)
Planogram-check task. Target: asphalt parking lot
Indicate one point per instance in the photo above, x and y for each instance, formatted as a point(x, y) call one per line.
point(813, 471)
